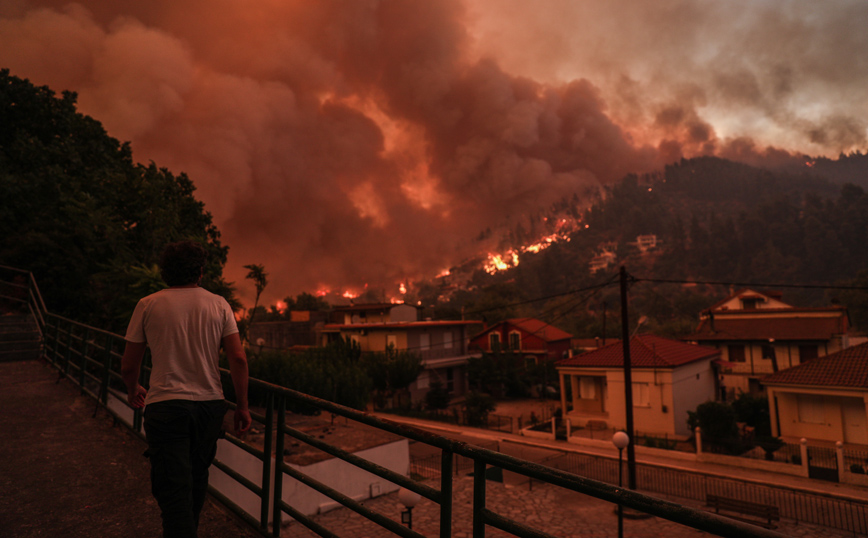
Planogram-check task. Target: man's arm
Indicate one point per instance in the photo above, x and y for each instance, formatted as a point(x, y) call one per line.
point(131, 364)
point(238, 369)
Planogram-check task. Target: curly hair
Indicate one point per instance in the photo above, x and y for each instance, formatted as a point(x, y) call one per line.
point(181, 263)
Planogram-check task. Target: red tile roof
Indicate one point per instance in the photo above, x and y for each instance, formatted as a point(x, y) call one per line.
point(538, 328)
point(845, 368)
point(733, 326)
point(646, 351)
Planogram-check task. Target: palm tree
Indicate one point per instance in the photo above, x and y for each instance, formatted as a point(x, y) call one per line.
point(256, 273)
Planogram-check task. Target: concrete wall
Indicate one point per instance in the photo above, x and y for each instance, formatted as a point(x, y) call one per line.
point(692, 385)
point(334, 472)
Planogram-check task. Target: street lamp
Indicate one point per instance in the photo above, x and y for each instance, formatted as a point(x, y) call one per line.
point(620, 440)
point(409, 499)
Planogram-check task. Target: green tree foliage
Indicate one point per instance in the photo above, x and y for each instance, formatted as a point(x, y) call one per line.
point(753, 410)
point(437, 397)
point(499, 373)
point(717, 421)
point(391, 371)
point(477, 406)
point(81, 215)
point(333, 373)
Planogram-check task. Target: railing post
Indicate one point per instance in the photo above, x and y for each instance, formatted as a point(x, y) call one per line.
point(446, 493)
point(803, 452)
point(478, 498)
point(102, 397)
point(839, 456)
point(266, 461)
point(278, 465)
point(68, 354)
point(83, 368)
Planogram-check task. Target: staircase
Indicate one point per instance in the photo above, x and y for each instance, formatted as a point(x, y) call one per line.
point(19, 338)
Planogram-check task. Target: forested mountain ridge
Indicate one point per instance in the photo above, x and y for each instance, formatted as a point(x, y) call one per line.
point(715, 220)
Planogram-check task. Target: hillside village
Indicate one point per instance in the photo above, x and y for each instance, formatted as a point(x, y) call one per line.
point(807, 362)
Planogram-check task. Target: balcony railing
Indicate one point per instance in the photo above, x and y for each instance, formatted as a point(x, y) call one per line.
point(91, 357)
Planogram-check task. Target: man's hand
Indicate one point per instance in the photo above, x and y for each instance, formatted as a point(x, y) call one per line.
point(242, 422)
point(136, 397)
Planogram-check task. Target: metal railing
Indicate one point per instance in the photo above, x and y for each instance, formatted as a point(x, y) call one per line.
point(90, 357)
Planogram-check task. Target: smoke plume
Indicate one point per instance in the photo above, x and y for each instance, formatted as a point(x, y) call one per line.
point(345, 143)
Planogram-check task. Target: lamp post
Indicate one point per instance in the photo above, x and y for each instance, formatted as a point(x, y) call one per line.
point(620, 440)
point(409, 499)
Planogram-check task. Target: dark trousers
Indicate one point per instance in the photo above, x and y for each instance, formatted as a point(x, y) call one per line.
point(182, 442)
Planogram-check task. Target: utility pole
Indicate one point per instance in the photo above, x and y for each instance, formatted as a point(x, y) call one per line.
point(628, 382)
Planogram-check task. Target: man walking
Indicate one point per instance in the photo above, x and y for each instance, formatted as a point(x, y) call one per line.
point(184, 326)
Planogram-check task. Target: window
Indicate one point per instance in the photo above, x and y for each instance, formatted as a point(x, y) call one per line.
point(392, 341)
point(515, 340)
point(750, 303)
point(529, 362)
point(493, 340)
point(736, 353)
point(424, 341)
point(450, 380)
point(811, 409)
point(641, 395)
point(768, 351)
point(587, 388)
point(808, 352)
point(447, 339)
point(424, 380)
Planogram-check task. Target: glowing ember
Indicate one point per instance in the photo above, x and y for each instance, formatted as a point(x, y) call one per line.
point(322, 292)
point(280, 306)
point(444, 272)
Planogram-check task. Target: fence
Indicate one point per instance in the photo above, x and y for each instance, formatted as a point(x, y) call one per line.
point(805, 506)
point(90, 357)
point(855, 460)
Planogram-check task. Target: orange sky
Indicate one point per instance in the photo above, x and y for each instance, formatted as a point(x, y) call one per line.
point(343, 143)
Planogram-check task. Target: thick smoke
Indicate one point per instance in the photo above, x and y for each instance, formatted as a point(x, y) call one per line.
point(345, 143)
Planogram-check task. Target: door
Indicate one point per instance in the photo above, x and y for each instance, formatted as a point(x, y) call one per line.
point(853, 411)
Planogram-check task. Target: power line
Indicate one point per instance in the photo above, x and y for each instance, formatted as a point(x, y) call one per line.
point(750, 284)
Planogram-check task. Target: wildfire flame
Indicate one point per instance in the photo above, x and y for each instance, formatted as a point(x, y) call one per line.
point(280, 306)
point(350, 295)
point(402, 288)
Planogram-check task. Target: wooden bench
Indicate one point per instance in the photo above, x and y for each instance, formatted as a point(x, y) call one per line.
point(768, 514)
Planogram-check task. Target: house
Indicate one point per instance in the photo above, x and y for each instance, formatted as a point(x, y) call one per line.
point(645, 242)
point(374, 313)
point(822, 399)
point(532, 339)
point(443, 346)
point(669, 378)
point(758, 334)
point(299, 331)
point(601, 261)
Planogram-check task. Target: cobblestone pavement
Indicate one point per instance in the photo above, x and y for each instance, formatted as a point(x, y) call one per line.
point(548, 508)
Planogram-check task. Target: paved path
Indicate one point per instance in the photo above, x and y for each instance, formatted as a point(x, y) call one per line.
point(66, 474)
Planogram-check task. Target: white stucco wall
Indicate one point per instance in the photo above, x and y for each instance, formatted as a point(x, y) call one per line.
point(692, 385)
point(336, 473)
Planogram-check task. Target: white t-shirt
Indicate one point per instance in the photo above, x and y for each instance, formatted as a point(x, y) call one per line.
point(184, 328)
